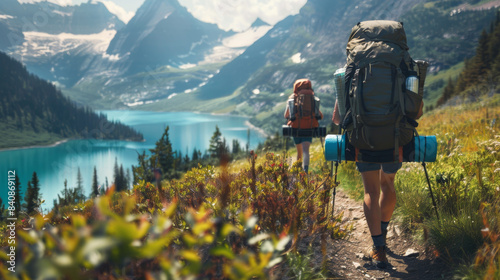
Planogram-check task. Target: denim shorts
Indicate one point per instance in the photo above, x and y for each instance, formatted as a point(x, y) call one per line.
point(388, 168)
point(300, 140)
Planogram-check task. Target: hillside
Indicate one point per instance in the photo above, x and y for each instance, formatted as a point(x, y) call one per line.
point(481, 72)
point(34, 112)
point(312, 44)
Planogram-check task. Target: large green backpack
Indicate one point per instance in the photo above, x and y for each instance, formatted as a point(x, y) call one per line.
point(381, 108)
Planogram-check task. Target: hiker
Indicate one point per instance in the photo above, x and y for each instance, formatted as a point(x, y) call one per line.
point(381, 101)
point(305, 115)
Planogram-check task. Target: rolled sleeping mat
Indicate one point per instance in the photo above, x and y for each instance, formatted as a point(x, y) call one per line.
point(421, 149)
point(425, 148)
point(312, 132)
point(335, 148)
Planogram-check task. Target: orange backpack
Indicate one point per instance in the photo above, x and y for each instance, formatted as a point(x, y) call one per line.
point(304, 106)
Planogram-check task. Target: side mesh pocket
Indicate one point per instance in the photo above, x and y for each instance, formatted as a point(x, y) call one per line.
point(413, 101)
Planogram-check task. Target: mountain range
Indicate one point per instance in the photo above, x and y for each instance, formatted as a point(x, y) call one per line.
point(166, 59)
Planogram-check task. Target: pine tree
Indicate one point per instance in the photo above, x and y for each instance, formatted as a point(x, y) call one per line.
point(218, 146)
point(195, 155)
point(66, 192)
point(123, 182)
point(95, 184)
point(248, 140)
point(80, 196)
point(143, 171)
point(162, 155)
point(481, 62)
point(32, 196)
point(448, 92)
point(186, 160)
point(236, 147)
point(215, 143)
point(116, 176)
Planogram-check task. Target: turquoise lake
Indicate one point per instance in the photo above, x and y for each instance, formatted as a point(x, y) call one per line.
point(53, 165)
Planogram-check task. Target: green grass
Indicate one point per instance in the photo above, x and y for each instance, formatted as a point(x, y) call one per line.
point(12, 137)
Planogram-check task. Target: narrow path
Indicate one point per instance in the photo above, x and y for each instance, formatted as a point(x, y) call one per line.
point(407, 259)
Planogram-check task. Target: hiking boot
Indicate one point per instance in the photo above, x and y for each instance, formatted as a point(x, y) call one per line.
point(378, 256)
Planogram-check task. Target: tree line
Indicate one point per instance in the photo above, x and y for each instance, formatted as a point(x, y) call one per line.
point(29, 103)
point(481, 72)
point(163, 162)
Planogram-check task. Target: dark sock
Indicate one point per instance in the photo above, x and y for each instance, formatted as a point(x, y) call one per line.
point(378, 240)
point(385, 225)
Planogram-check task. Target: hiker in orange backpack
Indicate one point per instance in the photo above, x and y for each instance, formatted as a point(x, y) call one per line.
point(304, 114)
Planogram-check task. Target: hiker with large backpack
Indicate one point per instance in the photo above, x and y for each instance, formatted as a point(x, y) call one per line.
point(303, 112)
point(378, 109)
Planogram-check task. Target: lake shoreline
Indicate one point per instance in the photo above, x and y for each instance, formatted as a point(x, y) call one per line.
point(50, 145)
point(259, 130)
point(60, 142)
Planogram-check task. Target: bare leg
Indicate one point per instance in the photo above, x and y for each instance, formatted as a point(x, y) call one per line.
point(388, 196)
point(299, 151)
point(371, 206)
point(305, 161)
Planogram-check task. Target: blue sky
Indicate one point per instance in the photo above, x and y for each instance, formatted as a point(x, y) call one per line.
point(228, 14)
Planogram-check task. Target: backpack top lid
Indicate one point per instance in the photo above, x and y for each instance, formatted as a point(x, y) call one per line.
point(377, 30)
point(301, 84)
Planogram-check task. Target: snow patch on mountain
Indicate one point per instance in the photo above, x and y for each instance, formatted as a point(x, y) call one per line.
point(297, 58)
point(246, 38)
point(39, 44)
point(6, 17)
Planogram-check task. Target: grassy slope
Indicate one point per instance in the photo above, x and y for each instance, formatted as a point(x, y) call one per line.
point(12, 137)
point(436, 82)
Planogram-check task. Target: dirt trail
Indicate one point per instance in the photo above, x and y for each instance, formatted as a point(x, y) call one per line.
point(407, 259)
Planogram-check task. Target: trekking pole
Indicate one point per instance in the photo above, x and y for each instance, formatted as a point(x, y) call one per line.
point(335, 184)
point(430, 190)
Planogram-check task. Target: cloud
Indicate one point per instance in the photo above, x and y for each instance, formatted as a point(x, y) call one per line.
point(240, 14)
point(117, 10)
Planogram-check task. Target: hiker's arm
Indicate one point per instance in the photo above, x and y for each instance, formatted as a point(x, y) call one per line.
point(336, 114)
point(287, 112)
